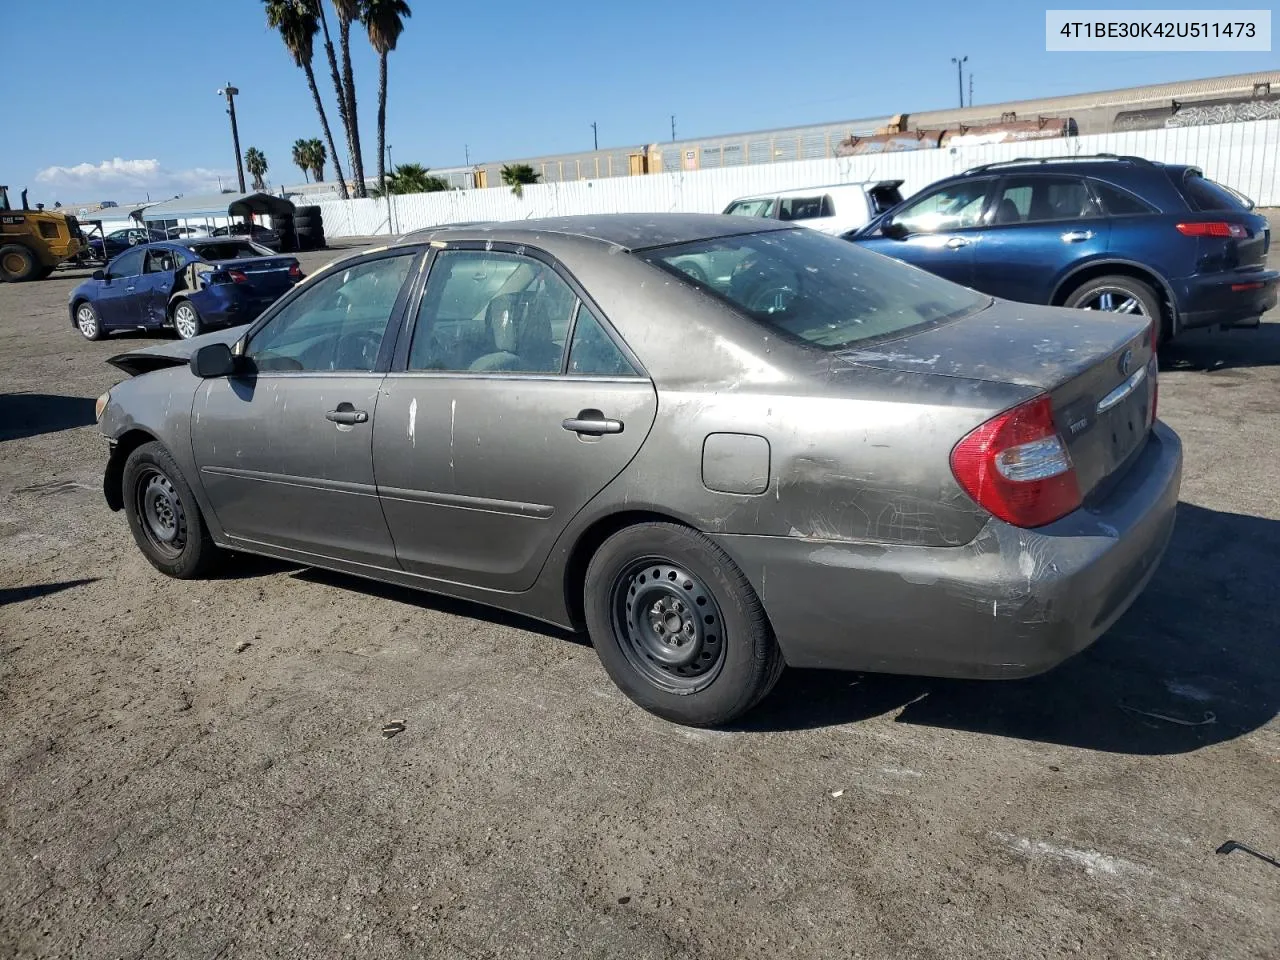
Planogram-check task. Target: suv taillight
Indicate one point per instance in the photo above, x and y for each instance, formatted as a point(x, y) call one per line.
point(1214, 228)
point(1016, 466)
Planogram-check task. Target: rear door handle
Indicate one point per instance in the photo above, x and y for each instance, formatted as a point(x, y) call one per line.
point(955, 243)
point(592, 423)
point(1075, 236)
point(347, 414)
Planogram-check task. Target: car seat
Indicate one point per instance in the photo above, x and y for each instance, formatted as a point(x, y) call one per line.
point(521, 331)
point(1007, 212)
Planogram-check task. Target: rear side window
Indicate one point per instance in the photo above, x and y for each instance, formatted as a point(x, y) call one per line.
point(1206, 195)
point(750, 208)
point(1120, 203)
point(805, 208)
point(1039, 199)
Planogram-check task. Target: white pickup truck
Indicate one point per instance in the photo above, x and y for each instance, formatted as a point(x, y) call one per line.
point(833, 209)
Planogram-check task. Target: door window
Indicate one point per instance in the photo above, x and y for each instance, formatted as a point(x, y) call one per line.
point(485, 311)
point(593, 352)
point(805, 208)
point(1040, 199)
point(126, 265)
point(952, 207)
point(1118, 202)
point(159, 260)
point(335, 324)
point(750, 208)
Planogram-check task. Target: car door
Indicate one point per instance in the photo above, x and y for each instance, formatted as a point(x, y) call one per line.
point(153, 288)
point(284, 447)
point(1037, 227)
point(117, 301)
point(937, 232)
point(512, 406)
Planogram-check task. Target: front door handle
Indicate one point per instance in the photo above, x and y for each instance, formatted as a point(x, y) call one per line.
point(955, 243)
point(128, 289)
point(347, 414)
point(1076, 236)
point(592, 423)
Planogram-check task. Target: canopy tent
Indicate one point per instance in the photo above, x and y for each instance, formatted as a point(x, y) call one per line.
point(217, 205)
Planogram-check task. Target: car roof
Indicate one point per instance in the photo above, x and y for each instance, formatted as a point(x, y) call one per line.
point(810, 191)
point(627, 231)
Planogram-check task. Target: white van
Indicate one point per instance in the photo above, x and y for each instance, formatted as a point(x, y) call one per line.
point(833, 209)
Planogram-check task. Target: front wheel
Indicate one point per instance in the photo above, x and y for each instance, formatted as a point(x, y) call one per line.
point(677, 625)
point(88, 322)
point(186, 319)
point(163, 514)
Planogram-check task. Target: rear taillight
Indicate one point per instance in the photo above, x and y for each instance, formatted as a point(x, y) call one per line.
point(295, 272)
point(1214, 228)
point(1017, 467)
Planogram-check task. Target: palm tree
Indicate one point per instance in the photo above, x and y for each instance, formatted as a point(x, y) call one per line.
point(256, 163)
point(343, 103)
point(302, 157)
point(296, 22)
point(317, 157)
point(384, 19)
point(517, 175)
point(411, 178)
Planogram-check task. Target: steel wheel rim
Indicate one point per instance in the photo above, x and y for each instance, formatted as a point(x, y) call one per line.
point(184, 318)
point(1114, 300)
point(668, 624)
point(160, 512)
point(86, 320)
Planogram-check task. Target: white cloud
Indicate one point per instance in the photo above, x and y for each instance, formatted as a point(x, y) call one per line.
point(127, 180)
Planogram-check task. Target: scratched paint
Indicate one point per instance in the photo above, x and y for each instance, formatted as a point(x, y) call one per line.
point(413, 422)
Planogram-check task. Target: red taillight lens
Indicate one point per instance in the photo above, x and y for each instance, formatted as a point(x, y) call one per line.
point(1217, 228)
point(295, 272)
point(237, 276)
point(1017, 467)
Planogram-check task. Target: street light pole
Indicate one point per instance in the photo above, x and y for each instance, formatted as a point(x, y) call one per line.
point(595, 138)
point(960, 75)
point(230, 93)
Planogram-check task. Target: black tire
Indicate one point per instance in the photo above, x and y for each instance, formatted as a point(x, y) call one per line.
point(88, 322)
point(186, 320)
point(1124, 290)
point(308, 222)
point(17, 263)
point(158, 501)
point(660, 588)
point(312, 210)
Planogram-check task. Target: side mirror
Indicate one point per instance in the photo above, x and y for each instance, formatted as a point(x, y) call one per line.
point(99, 275)
point(213, 360)
point(893, 229)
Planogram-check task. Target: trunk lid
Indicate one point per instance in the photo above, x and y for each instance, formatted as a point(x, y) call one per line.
point(1095, 367)
point(268, 276)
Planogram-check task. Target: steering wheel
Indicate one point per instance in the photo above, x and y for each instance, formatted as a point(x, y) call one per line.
point(364, 345)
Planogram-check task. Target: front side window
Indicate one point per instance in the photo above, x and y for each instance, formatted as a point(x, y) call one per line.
point(486, 312)
point(750, 208)
point(953, 207)
point(128, 264)
point(1041, 199)
point(335, 324)
point(819, 290)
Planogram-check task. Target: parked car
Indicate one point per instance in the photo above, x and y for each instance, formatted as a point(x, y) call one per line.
point(192, 286)
point(1102, 233)
point(118, 241)
point(187, 233)
point(831, 460)
point(259, 234)
point(834, 209)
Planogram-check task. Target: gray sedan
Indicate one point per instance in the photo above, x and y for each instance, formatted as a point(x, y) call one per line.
point(719, 445)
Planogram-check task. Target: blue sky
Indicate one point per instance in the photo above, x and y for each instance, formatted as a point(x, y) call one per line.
point(509, 79)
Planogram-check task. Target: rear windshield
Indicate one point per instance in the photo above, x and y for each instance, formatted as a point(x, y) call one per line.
point(815, 288)
point(230, 250)
point(1206, 195)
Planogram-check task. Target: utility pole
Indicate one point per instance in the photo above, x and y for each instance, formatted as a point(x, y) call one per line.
point(971, 88)
point(960, 75)
point(673, 128)
point(230, 93)
point(595, 138)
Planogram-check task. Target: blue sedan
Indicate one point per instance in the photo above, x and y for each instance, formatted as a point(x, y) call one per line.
point(191, 286)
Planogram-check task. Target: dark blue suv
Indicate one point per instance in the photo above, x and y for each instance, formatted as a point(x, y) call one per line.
point(1099, 232)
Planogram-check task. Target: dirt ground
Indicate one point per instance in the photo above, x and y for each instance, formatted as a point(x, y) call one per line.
point(168, 791)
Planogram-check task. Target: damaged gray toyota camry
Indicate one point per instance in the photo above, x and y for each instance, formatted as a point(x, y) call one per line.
point(719, 445)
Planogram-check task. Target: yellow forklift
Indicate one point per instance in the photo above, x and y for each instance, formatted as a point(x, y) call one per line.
point(33, 242)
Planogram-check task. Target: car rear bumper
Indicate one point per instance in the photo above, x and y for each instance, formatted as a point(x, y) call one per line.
point(1225, 298)
point(1012, 603)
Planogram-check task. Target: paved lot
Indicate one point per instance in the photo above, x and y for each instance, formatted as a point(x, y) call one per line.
point(164, 795)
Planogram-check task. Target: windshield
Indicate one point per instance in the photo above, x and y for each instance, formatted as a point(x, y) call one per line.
point(230, 250)
point(815, 288)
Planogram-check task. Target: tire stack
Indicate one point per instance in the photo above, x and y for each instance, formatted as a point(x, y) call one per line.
point(309, 225)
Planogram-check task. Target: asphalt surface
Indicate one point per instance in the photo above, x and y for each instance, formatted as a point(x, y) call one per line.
point(198, 769)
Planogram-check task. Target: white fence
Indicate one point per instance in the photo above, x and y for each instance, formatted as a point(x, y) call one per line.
point(1245, 156)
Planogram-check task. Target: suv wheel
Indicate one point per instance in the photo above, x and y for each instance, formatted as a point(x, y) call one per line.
point(1116, 294)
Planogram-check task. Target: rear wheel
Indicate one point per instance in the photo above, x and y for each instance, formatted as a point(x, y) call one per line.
point(677, 625)
point(1118, 294)
point(17, 263)
point(186, 319)
point(88, 322)
point(163, 514)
